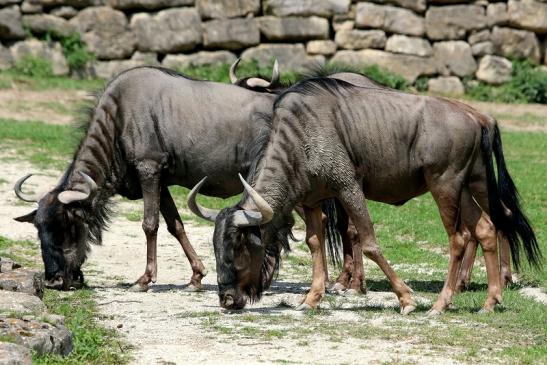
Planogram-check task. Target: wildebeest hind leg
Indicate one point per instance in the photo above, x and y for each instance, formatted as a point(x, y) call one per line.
point(314, 239)
point(355, 205)
point(464, 277)
point(176, 228)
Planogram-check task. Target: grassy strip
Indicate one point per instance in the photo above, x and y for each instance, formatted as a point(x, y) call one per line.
point(92, 343)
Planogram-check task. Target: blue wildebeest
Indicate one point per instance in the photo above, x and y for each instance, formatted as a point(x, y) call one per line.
point(332, 139)
point(150, 128)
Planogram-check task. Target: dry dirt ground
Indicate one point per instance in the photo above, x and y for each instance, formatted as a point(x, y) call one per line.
point(171, 325)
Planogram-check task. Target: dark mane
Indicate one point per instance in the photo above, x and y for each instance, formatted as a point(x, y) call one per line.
point(315, 85)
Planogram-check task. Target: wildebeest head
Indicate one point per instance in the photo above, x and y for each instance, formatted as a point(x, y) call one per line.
point(247, 247)
point(256, 83)
point(62, 223)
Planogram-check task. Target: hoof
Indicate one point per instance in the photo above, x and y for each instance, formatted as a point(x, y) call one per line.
point(485, 311)
point(338, 287)
point(408, 309)
point(139, 288)
point(304, 307)
point(433, 313)
point(351, 293)
point(191, 288)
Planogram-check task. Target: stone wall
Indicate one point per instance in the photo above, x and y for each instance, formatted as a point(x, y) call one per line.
point(444, 39)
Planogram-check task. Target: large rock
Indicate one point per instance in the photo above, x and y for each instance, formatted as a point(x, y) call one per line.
point(293, 28)
point(408, 66)
point(528, 14)
point(454, 58)
point(11, 27)
point(290, 56)
point(446, 86)
point(360, 39)
point(496, 14)
point(20, 303)
point(52, 52)
point(24, 281)
point(169, 31)
point(203, 58)
point(5, 263)
point(494, 70)
point(109, 69)
point(147, 4)
point(514, 43)
point(44, 23)
point(231, 33)
point(323, 8)
point(42, 337)
point(418, 6)
point(227, 8)
point(105, 31)
point(454, 21)
point(29, 7)
point(409, 45)
point(389, 18)
point(326, 47)
point(13, 354)
point(9, 2)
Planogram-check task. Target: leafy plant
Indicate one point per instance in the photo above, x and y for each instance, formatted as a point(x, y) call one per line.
point(34, 66)
point(385, 77)
point(74, 49)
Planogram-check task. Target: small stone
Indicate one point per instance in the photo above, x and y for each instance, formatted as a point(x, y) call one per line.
point(409, 45)
point(481, 36)
point(231, 34)
point(494, 70)
point(120, 325)
point(44, 23)
point(360, 39)
point(454, 58)
point(322, 8)
point(66, 12)
point(227, 8)
point(325, 47)
point(5, 263)
point(446, 86)
point(202, 58)
point(293, 28)
point(482, 49)
point(171, 30)
point(29, 7)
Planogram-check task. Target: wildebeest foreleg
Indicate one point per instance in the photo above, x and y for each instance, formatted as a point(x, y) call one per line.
point(176, 228)
point(149, 176)
point(314, 239)
point(355, 205)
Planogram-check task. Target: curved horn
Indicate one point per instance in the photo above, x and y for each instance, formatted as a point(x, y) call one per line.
point(70, 196)
point(202, 212)
point(20, 194)
point(233, 77)
point(262, 205)
point(258, 82)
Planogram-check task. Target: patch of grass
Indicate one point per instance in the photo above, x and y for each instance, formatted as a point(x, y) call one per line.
point(385, 77)
point(134, 216)
point(34, 67)
point(92, 343)
point(15, 77)
point(22, 252)
point(528, 85)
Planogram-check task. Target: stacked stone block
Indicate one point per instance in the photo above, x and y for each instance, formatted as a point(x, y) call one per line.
point(443, 39)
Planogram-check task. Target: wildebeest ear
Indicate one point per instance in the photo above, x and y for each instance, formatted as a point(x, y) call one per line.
point(29, 218)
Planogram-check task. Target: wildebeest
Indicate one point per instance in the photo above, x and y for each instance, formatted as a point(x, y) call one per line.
point(150, 128)
point(332, 139)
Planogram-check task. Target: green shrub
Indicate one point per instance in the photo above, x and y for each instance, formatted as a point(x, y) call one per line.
point(74, 49)
point(385, 77)
point(528, 85)
point(34, 66)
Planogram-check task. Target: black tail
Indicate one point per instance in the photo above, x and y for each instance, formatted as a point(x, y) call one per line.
point(332, 237)
point(513, 224)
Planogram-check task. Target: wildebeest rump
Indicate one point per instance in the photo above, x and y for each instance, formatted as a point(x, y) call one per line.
point(333, 139)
